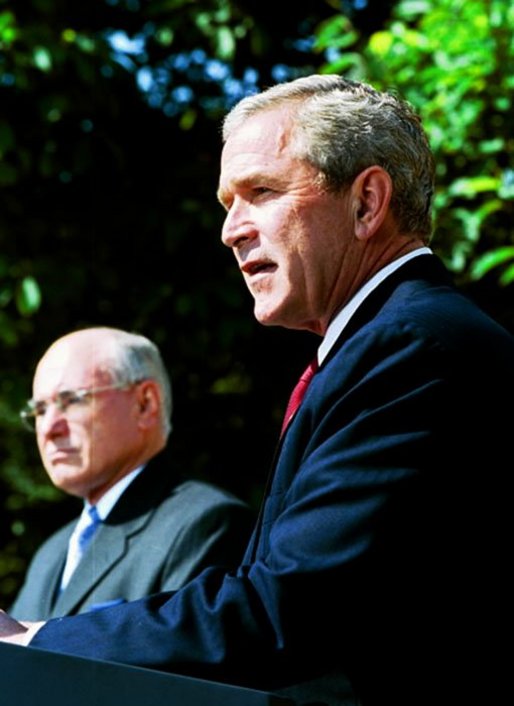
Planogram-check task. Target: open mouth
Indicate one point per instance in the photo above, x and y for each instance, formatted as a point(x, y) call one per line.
point(257, 268)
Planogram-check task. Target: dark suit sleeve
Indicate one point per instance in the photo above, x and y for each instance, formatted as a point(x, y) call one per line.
point(348, 543)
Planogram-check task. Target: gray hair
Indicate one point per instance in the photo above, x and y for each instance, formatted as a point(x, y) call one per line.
point(342, 127)
point(133, 358)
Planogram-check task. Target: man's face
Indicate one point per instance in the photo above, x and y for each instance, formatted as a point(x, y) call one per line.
point(86, 448)
point(291, 238)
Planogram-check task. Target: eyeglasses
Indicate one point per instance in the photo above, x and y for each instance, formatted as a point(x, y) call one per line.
point(64, 400)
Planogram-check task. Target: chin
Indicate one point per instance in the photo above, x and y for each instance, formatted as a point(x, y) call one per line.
point(267, 315)
point(276, 317)
point(266, 320)
point(65, 479)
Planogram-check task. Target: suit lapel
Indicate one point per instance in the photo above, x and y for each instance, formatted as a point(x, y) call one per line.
point(52, 577)
point(129, 516)
point(107, 547)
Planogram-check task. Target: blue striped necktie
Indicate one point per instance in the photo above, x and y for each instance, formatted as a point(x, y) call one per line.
point(79, 541)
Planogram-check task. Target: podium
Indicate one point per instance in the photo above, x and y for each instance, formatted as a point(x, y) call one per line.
point(34, 677)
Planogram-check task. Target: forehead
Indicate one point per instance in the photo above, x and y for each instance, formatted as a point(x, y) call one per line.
point(262, 139)
point(68, 364)
point(265, 130)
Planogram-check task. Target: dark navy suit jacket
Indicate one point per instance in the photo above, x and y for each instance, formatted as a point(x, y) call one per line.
point(378, 569)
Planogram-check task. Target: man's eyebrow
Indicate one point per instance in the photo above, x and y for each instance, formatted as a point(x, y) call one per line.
point(248, 180)
point(242, 181)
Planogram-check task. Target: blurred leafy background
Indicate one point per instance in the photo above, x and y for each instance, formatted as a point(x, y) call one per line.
point(109, 146)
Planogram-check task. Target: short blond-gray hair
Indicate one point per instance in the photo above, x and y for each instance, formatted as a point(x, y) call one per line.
point(342, 127)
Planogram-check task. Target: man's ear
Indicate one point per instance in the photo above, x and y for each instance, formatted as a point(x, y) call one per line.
point(371, 190)
point(149, 403)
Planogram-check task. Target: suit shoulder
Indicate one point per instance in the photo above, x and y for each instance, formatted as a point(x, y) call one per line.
point(199, 507)
point(54, 546)
point(59, 538)
point(206, 493)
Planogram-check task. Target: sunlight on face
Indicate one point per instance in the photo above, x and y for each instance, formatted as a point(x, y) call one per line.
point(290, 237)
point(86, 446)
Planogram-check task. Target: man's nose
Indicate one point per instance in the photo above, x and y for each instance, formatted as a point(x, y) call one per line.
point(238, 226)
point(53, 422)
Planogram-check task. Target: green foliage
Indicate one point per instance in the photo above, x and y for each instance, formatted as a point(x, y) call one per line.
point(495, 258)
point(454, 61)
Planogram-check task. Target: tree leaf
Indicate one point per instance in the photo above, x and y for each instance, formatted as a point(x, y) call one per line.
point(28, 296)
point(493, 258)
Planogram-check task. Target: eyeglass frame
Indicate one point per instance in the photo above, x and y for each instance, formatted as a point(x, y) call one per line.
point(30, 414)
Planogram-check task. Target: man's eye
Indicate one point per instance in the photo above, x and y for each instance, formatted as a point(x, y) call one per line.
point(39, 409)
point(69, 397)
point(259, 190)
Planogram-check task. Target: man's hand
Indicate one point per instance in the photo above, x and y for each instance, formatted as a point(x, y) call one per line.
point(16, 633)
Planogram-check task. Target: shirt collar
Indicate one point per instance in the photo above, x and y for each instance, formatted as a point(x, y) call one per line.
point(111, 497)
point(342, 318)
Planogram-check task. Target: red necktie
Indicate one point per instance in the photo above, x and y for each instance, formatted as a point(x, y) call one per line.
point(298, 392)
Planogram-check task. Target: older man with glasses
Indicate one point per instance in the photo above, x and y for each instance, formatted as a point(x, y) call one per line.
point(101, 411)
